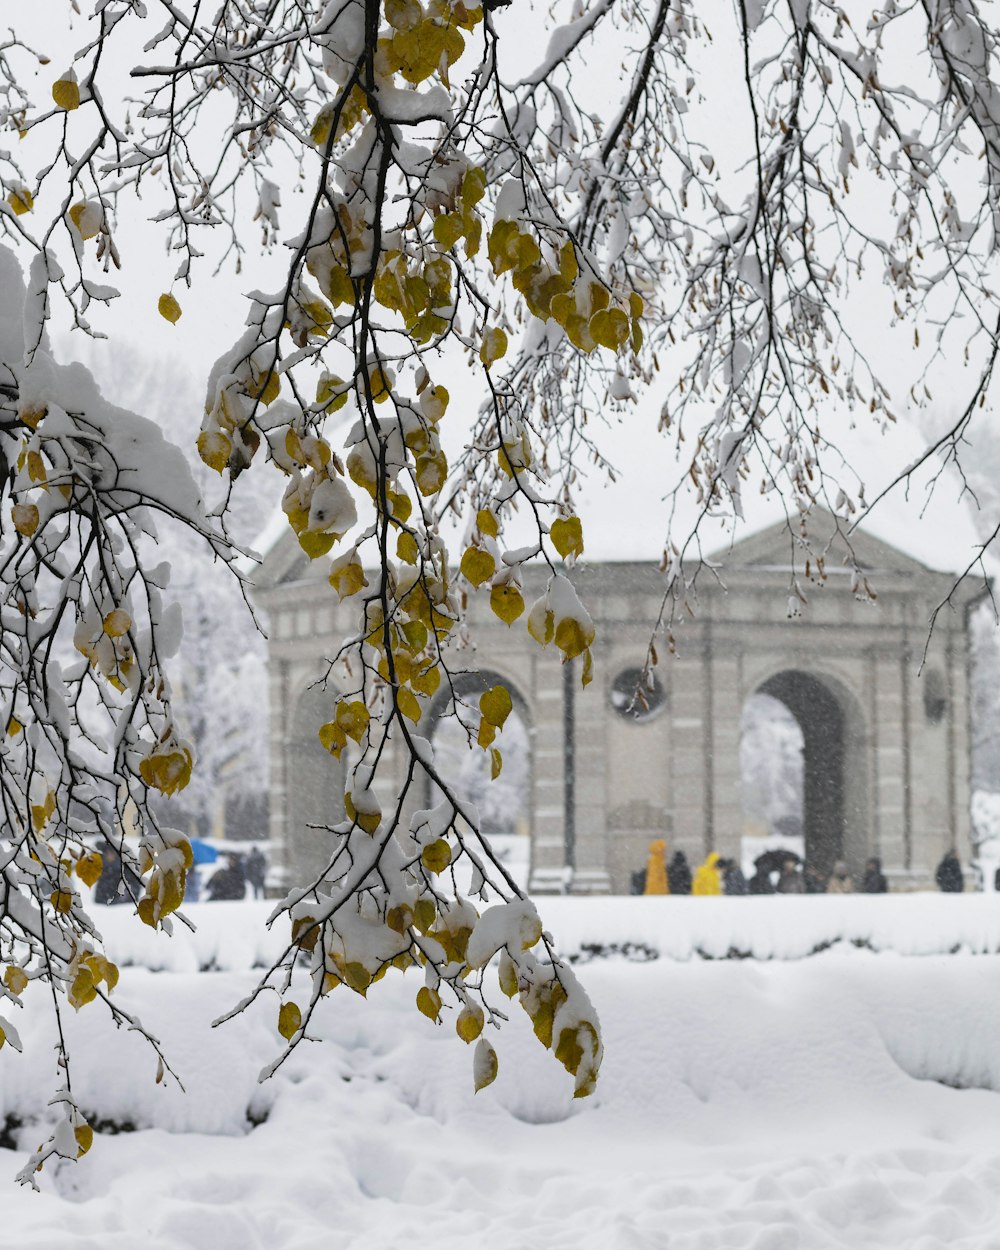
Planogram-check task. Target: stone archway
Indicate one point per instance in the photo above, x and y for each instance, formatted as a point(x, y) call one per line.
point(505, 804)
point(827, 792)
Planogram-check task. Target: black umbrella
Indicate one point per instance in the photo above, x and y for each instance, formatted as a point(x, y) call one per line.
point(772, 861)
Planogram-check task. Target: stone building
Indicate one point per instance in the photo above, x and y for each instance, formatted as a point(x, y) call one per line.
point(884, 713)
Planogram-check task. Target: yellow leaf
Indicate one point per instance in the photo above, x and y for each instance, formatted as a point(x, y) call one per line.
point(477, 565)
point(88, 217)
point(117, 623)
point(319, 132)
point(305, 932)
point(289, 1020)
point(348, 578)
point(316, 543)
point(416, 635)
point(353, 718)
point(14, 727)
point(495, 705)
point(15, 979)
point(429, 1002)
point(266, 386)
point(82, 989)
point(448, 229)
point(473, 186)
point(380, 385)
point(568, 264)
point(437, 856)
point(610, 328)
point(169, 308)
point(506, 602)
point(36, 467)
point(357, 977)
point(333, 738)
point(332, 392)
point(487, 733)
point(84, 1135)
point(399, 918)
point(485, 1065)
point(368, 820)
point(424, 913)
point(167, 771)
point(408, 704)
point(573, 638)
point(431, 472)
point(494, 346)
point(507, 975)
point(568, 1050)
point(635, 304)
point(21, 201)
point(61, 900)
point(66, 92)
point(567, 536)
point(427, 682)
point(487, 523)
point(587, 675)
point(496, 763)
point(215, 449)
point(470, 1022)
point(406, 548)
point(25, 517)
point(89, 866)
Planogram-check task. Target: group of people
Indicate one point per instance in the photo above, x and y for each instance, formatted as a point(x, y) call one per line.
point(230, 882)
point(119, 884)
point(775, 872)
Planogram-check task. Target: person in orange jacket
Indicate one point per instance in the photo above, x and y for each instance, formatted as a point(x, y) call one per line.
point(707, 878)
point(656, 869)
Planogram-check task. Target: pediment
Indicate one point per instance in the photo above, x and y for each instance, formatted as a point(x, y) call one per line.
point(284, 563)
point(788, 544)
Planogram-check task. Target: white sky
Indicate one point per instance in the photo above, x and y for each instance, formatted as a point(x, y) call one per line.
point(624, 520)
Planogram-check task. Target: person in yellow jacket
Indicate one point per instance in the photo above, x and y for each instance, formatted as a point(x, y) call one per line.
point(656, 869)
point(707, 878)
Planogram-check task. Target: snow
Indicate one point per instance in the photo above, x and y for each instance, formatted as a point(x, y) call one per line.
point(843, 1100)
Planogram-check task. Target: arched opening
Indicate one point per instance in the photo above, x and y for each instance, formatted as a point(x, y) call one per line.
point(772, 768)
point(807, 737)
point(315, 782)
point(504, 804)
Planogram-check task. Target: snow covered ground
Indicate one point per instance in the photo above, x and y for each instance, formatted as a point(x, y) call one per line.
point(847, 1099)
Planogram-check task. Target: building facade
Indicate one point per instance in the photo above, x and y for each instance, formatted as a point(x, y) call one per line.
point(883, 705)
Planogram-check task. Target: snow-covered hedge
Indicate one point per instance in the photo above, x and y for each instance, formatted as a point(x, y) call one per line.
point(234, 937)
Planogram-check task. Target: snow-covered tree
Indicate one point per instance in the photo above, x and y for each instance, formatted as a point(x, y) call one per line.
point(220, 673)
point(435, 215)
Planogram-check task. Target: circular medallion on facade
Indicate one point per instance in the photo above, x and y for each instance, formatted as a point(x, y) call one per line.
point(634, 697)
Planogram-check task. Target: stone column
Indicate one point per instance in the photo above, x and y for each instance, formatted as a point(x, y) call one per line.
point(590, 798)
point(724, 749)
point(689, 828)
point(547, 815)
point(889, 710)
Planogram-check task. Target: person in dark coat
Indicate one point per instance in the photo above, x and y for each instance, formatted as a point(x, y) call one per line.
point(949, 874)
point(815, 882)
point(790, 881)
point(679, 874)
point(637, 882)
point(256, 871)
point(229, 882)
point(874, 881)
point(117, 883)
point(733, 880)
point(760, 882)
